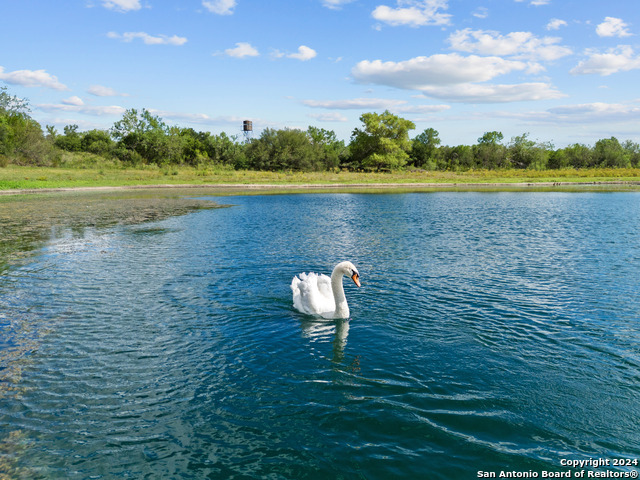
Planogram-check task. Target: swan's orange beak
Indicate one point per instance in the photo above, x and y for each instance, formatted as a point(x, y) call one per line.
point(356, 279)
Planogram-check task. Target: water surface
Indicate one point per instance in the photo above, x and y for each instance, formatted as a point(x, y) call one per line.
point(494, 331)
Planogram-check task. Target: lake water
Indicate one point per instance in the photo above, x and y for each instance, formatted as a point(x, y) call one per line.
point(493, 332)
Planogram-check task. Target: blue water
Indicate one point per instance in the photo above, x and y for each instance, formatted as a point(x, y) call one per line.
point(493, 332)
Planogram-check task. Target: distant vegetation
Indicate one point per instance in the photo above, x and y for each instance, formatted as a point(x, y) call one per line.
point(382, 143)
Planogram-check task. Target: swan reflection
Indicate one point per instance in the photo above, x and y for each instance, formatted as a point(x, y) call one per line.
point(335, 332)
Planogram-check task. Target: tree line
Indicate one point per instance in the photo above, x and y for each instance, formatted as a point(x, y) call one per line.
point(381, 143)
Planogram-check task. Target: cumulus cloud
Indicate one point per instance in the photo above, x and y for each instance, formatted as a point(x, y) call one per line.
point(555, 24)
point(619, 59)
point(148, 39)
point(440, 69)
point(122, 5)
point(74, 100)
point(220, 7)
point(241, 50)
point(414, 13)
point(486, 93)
point(93, 110)
point(304, 53)
point(522, 45)
point(101, 91)
point(32, 78)
point(612, 27)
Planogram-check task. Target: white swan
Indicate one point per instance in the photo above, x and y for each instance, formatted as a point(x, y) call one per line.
point(315, 294)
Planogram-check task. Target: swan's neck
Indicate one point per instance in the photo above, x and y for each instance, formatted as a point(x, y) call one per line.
point(342, 309)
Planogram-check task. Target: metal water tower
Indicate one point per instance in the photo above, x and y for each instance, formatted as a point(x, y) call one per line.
point(247, 129)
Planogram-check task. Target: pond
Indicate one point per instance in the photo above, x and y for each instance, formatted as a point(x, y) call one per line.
point(494, 331)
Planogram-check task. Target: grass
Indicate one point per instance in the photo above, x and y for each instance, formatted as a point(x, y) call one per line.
point(14, 177)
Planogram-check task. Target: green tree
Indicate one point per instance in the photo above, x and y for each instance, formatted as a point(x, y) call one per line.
point(632, 150)
point(579, 156)
point(609, 153)
point(144, 137)
point(21, 137)
point(71, 140)
point(286, 149)
point(329, 149)
point(457, 158)
point(424, 149)
point(489, 153)
point(383, 143)
point(525, 153)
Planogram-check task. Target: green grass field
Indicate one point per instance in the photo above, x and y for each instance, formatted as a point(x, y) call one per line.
point(27, 178)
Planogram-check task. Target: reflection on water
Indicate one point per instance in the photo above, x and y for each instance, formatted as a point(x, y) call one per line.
point(490, 331)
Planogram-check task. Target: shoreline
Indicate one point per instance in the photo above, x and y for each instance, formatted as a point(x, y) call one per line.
point(319, 186)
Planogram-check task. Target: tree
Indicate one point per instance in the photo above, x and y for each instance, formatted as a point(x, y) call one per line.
point(21, 137)
point(609, 153)
point(143, 136)
point(579, 156)
point(424, 149)
point(383, 143)
point(489, 153)
point(329, 149)
point(525, 153)
point(287, 149)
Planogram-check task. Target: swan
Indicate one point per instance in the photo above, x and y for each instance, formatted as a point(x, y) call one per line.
point(320, 295)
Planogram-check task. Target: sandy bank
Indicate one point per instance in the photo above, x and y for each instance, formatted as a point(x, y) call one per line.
point(326, 186)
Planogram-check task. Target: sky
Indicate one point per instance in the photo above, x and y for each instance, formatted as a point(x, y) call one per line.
point(562, 71)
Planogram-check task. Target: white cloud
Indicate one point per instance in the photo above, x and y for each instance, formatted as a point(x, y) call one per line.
point(481, 12)
point(329, 117)
point(335, 4)
point(414, 13)
point(613, 27)
point(203, 118)
point(522, 45)
point(399, 106)
point(580, 114)
point(220, 7)
point(148, 39)
point(421, 108)
point(241, 50)
point(355, 103)
point(536, 3)
point(485, 93)
point(77, 101)
point(555, 24)
point(304, 53)
point(84, 109)
point(101, 91)
point(32, 78)
point(122, 5)
point(619, 59)
point(598, 109)
point(421, 72)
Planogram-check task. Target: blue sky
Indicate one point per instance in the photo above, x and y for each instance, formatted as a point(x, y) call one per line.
point(563, 71)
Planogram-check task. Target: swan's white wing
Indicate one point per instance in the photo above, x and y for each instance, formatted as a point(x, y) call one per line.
point(312, 294)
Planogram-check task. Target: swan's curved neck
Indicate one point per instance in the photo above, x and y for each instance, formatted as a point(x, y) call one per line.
point(342, 309)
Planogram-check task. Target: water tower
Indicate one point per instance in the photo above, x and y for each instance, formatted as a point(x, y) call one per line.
point(247, 130)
